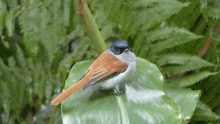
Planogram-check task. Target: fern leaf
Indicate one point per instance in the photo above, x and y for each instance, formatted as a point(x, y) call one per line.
point(213, 91)
point(4, 71)
point(192, 79)
point(172, 59)
point(201, 26)
point(28, 24)
point(145, 3)
point(107, 31)
point(75, 56)
point(178, 37)
point(10, 24)
point(21, 59)
point(159, 12)
point(160, 34)
point(6, 99)
point(215, 102)
point(138, 43)
point(11, 62)
point(187, 16)
point(3, 7)
point(177, 59)
point(213, 12)
point(204, 113)
point(190, 63)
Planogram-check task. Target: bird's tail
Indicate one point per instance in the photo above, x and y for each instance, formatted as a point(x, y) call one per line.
point(68, 92)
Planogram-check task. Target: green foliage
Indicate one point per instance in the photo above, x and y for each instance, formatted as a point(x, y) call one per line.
point(157, 11)
point(192, 79)
point(189, 63)
point(180, 37)
point(203, 112)
point(182, 97)
point(40, 40)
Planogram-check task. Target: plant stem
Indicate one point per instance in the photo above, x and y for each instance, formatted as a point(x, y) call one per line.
point(91, 27)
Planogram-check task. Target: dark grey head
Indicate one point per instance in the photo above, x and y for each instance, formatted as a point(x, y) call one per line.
point(120, 46)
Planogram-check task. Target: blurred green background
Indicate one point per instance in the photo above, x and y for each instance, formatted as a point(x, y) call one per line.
point(42, 39)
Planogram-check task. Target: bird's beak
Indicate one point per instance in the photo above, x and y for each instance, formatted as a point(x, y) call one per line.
point(126, 49)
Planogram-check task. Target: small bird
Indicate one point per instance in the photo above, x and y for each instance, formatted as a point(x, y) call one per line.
point(109, 69)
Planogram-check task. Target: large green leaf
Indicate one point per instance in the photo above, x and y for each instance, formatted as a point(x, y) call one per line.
point(185, 98)
point(144, 100)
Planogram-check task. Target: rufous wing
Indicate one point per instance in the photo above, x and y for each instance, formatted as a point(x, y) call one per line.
point(105, 65)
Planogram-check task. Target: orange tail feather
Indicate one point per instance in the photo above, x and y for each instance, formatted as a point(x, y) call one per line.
point(68, 92)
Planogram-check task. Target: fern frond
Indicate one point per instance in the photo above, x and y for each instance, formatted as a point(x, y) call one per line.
point(159, 12)
point(10, 24)
point(187, 16)
point(213, 12)
point(178, 59)
point(172, 59)
point(138, 43)
point(190, 63)
point(192, 79)
point(5, 98)
point(213, 91)
point(5, 71)
point(204, 113)
point(201, 26)
point(75, 56)
point(146, 3)
point(11, 62)
point(107, 31)
point(178, 37)
point(215, 101)
point(21, 59)
point(43, 24)
point(3, 10)
point(160, 34)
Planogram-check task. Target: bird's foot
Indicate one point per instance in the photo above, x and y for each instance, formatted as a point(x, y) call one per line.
point(117, 92)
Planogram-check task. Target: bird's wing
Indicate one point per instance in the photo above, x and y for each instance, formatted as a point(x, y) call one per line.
point(105, 65)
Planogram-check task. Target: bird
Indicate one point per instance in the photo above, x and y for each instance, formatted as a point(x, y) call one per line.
point(112, 67)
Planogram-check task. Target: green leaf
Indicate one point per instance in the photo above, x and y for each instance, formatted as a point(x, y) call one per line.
point(3, 7)
point(75, 56)
point(185, 98)
point(156, 14)
point(176, 37)
point(21, 59)
point(6, 100)
point(11, 62)
point(204, 113)
point(212, 94)
point(189, 63)
point(144, 3)
point(10, 24)
point(172, 59)
point(107, 31)
point(192, 79)
point(213, 12)
point(138, 43)
point(160, 34)
point(144, 100)
point(187, 16)
point(4, 71)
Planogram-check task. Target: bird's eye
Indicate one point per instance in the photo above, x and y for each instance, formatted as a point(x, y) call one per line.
point(118, 50)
